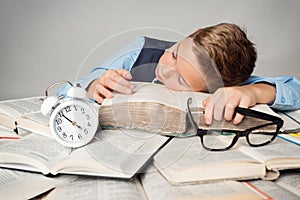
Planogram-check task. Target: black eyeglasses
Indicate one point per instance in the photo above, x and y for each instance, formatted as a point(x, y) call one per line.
point(224, 139)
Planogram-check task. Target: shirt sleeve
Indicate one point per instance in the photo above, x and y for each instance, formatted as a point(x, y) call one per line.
point(287, 91)
point(123, 59)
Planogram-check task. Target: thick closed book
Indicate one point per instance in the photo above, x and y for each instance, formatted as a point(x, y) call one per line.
point(153, 107)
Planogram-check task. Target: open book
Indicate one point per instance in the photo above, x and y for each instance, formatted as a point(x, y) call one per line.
point(291, 126)
point(185, 160)
point(151, 186)
point(16, 184)
point(287, 186)
point(291, 121)
point(24, 113)
point(7, 134)
point(112, 153)
point(153, 107)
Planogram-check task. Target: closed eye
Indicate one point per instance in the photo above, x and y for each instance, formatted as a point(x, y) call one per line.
point(182, 81)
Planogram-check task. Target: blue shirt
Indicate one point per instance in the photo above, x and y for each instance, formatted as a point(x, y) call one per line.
point(287, 88)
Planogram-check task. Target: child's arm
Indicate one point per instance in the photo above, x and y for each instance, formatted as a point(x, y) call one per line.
point(281, 93)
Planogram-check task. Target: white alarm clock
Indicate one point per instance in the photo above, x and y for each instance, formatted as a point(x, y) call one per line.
point(73, 119)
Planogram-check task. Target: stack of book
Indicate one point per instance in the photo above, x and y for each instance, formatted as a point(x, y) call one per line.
point(136, 155)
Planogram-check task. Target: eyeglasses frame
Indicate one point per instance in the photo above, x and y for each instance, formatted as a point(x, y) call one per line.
point(238, 133)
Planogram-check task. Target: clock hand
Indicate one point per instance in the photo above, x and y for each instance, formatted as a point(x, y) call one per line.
point(72, 122)
point(78, 126)
point(67, 119)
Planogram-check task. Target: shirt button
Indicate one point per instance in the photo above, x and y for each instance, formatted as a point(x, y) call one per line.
point(282, 100)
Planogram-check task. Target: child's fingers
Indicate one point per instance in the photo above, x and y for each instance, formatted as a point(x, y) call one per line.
point(103, 92)
point(98, 96)
point(204, 102)
point(114, 81)
point(121, 77)
point(238, 118)
point(209, 109)
point(244, 103)
point(125, 74)
point(214, 106)
point(230, 106)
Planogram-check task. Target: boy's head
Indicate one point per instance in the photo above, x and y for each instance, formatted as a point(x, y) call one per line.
point(229, 48)
point(209, 58)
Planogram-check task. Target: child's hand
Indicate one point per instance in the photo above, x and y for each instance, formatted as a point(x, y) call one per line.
point(224, 101)
point(112, 80)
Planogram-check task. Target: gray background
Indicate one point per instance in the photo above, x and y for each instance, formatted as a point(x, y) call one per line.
point(45, 41)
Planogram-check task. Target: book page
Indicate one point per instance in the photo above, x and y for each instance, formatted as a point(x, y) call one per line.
point(98, 188)
point(36, 123)
point(18, 107)
point(295, 115)
point(33, 150)
point(274, 190)
point(289, 124)
point(38, 117)
point(185, 160)
point(189, 153)
point(116, 146)
point(290, 180)
point(291, 137)
point(8, 135)
point(157, 188)
point(113, 153)
point(8, 122)
point(156, 93)
point(279, 154)
point(16, 184)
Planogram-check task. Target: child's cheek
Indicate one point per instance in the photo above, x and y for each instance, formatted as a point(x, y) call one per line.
point(166, 59)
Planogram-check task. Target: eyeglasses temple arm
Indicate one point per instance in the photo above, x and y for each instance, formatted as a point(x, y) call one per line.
point(257, 114)
point(192, 121)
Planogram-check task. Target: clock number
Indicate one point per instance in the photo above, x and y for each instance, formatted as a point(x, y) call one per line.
point(82, 110)
point(68, 109)
point(64, 135)
point(71, 136)
point(60, 113)
point(79, 136)
point(58, 121)
point(88, 117)
point(89, 124)
point(59, 129)
point(75, 107)
point(86, 131)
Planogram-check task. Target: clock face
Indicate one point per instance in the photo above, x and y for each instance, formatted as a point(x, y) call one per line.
point(74, 123)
